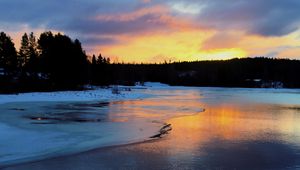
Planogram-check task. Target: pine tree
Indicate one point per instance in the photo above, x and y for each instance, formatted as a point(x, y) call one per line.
point(28, 54)
point(63, 60)
point(8, 54)
point(100, 59)
point(45, 46)
point(108, 61)
point(94, 61)
point(32, 61)
point(24, 51)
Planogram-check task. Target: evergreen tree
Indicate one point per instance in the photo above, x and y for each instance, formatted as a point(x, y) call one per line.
point(45, 46)
point(100, 59)
point(32, 62)
point(28, 54)
point(94, 61)
point(104, 61)
point(63, 59)
point(24, 51)
point(8, 54)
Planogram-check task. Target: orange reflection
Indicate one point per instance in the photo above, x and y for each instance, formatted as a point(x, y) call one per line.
point(192, 129)
point(230, 122)
point(220, 122)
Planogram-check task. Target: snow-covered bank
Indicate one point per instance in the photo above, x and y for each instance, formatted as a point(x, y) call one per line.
point(27, 134)
point(70, 96)
point(86, 95)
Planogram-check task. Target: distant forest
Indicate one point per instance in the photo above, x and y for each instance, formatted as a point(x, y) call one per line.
point(56, 62)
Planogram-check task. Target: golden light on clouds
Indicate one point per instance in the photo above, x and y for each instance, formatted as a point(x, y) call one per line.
point(187, 41)
point(158, 47)
point(193, 44)
point(152, 32)
point(175, 46)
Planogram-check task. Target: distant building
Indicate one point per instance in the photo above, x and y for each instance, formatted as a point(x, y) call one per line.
point(260, 83)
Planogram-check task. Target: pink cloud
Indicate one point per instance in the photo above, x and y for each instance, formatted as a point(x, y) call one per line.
point(155, 10)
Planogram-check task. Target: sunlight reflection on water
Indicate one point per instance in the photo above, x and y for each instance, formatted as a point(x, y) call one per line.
point(236, 131)
point(232, 134)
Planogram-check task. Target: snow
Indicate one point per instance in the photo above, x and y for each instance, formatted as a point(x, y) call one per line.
point(21, 145)
point(22, 140)
point(70, 96)
point(139, 115)
point(18, 134)
point(156, 85)
point(88, 95)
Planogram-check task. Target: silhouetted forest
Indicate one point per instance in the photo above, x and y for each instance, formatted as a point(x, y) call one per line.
point(56, 62)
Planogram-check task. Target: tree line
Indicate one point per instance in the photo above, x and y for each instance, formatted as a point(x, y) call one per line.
point(56, 62)
point(51, 62)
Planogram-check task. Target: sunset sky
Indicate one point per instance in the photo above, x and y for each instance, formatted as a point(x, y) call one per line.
point(159, 30)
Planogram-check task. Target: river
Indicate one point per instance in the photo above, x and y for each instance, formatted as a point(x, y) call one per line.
point(239, 129)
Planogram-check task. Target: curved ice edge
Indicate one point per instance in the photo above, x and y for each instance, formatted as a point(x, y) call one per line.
point(163, 131)
point(167, 128)
point(57, 154)
point(53, 155)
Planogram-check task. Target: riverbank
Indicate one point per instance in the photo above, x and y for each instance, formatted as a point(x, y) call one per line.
point(225, 136)
point(62, 123)
point(240, 129)
point(97, 94)
point(52, 120)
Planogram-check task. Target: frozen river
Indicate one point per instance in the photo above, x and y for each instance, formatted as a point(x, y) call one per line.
point(239, 129)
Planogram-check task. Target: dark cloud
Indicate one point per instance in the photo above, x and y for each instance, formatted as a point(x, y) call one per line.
point(267, 18)
point(272, 17)
point(106, 27)
point(56, 12)
point(36, 13)
point(98, 40)
point(276, 51)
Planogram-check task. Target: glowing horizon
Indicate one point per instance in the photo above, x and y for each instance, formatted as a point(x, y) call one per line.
point(153, 31)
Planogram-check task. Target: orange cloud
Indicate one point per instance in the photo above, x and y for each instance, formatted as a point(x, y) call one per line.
point(293, 53)
point(159, 16)
point(159, 10)
point(196, 44)
point(160, 47)
point(222, 40)
point(260, 45)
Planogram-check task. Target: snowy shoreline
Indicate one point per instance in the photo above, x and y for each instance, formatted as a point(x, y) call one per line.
point(19, 133)
point(97, 94)
point(69, 96)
